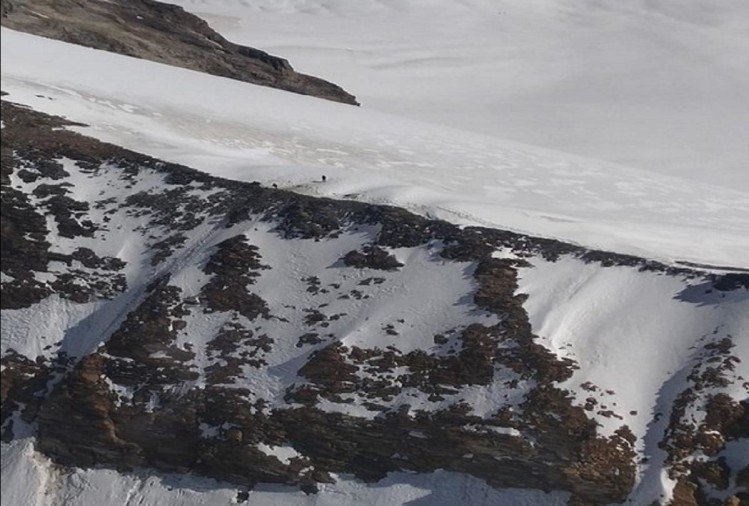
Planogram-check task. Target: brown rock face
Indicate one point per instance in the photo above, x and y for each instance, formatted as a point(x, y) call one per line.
point(693, 447)
point(373, 258)
point(163, 33)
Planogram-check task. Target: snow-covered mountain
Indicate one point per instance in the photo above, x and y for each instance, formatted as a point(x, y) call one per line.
point(192, 314)
point(164, 33)
point(656, 84)
point(250, 133)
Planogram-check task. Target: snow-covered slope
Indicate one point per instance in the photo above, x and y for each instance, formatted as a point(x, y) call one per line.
point(659, 85)
point(246, 132)
point(171, 337)
point(637, 337)
point(183, 323)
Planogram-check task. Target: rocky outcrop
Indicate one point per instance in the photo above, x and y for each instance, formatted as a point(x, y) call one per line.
point(373, 258)
point(703, 420)
point(163, 33)
point(211, 366)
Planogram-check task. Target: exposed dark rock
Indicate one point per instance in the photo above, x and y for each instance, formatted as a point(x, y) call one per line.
point(234, 265)
point(693, 449)
point(142, 350)
point(22, 385)
point(165, 248)
point(731, 281)
point(372, 257)
point(308, 338)
point(23, 227)
point(163, 33)
point(235, 347)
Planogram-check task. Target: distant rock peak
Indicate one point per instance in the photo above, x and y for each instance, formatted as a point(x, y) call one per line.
point(163, 33)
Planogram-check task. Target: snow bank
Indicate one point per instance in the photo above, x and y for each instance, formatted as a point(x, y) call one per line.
point(235, 130)
point(656, 85)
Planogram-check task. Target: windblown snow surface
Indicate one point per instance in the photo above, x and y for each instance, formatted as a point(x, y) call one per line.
point(660, 85)
point(634, 334)
point(243, 132)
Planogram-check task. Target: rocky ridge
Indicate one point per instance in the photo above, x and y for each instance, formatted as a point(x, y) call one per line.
point(212, 303)
point(164, 33)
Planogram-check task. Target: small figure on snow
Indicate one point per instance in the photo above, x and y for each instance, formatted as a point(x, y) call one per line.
point(324, 178)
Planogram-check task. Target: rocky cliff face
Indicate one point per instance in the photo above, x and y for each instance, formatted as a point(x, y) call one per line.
point(163, 33)
point(254, 335)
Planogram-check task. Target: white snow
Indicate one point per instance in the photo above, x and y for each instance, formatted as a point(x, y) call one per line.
point(427, 296)
point(247, 132)
point(662, 86)
point(283, 453)
point(635, 336)
point(80, 327)
point(429, 139)
point(507, 431)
